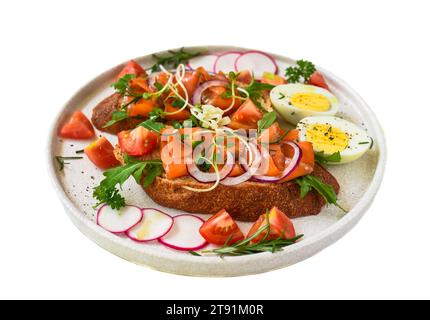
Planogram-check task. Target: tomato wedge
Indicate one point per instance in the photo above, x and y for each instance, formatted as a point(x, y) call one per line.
point(100, 152)
point(317, 79)
point(280, 226)
point(78, 127)
point(246, 117)
point(132, 67)
point(138, 142)
point(221, 228)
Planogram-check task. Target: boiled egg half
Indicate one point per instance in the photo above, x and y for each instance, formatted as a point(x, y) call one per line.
point(296, 101)
point(330, 135)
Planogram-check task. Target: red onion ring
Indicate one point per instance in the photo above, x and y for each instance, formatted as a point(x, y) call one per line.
point(200, 176)
point(291, 165)
point(231, 181)
point(197, 96)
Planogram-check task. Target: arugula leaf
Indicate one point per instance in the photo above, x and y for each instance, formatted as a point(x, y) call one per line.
point(152, 124)
point(307, 183)
point(266, 121)
point(121, 86)
point(117, 116)
point(323, 159)
point(137, 175)
point(173, 59)
point(107, 192)
point(157, 112)
point(152, 171)
point(303, 71)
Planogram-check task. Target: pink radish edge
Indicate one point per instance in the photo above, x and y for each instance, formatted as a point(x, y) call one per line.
point(143, 214)
point(223, 54)
point(118, 232)
point(259, 52)
point(204, 244)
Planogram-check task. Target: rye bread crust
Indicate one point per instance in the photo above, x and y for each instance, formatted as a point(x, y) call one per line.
point(102, 114)
point(246, 201)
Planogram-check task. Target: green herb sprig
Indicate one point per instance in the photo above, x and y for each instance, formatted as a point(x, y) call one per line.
point(245, 247)
point(107, 192)
point(266, 121)
point(117, 116)
point(61, 162)
point(324, 159)
point(302, 72)
point(307, 183)
point(173, 59)
point(255, 91)
point(152, 123)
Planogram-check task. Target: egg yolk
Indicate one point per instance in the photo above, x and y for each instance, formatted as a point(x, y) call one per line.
point(327, 138)
point(310, 101)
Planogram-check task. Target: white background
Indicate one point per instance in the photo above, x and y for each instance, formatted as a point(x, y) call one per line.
point(50, 48)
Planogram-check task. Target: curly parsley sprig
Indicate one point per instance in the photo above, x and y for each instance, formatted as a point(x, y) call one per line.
point(302, 72)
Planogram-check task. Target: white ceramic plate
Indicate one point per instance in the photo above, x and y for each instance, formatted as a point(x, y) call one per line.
point(359, 183)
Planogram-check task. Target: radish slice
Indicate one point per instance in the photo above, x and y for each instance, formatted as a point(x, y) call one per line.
point(153, 226)
point(118, 221)
point(256, 61)
point(225, 62)
point(185, 235)
point(206, 61)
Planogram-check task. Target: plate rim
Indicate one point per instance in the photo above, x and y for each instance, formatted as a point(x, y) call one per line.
point(114, 244)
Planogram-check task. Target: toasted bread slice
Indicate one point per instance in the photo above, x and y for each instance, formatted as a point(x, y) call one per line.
point(246, 201)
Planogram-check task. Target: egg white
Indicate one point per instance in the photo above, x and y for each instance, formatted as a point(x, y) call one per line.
point(280, 97)
point(359, 142)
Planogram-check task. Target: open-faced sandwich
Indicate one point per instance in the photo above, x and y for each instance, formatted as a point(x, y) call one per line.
point(211, 138)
